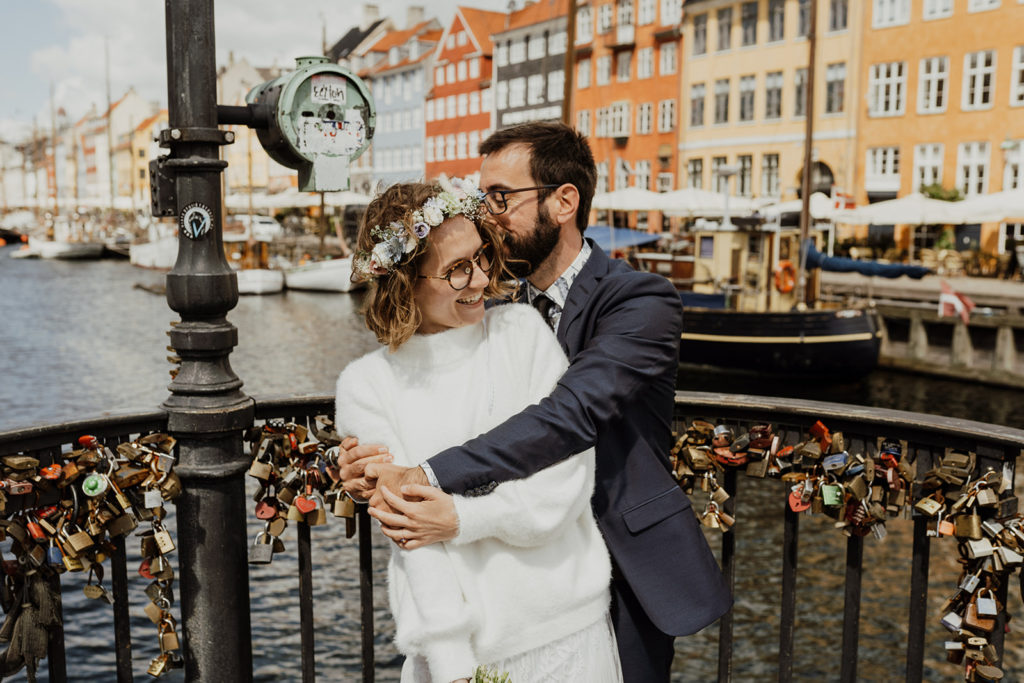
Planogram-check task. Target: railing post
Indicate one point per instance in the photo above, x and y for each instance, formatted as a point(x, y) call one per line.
point(787, 620)
point(207, 410)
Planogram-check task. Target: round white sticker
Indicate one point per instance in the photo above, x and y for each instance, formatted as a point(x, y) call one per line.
point(195, 221)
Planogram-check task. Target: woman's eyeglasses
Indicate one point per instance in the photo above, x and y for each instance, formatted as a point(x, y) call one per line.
point(496, 201)
point(460, 273)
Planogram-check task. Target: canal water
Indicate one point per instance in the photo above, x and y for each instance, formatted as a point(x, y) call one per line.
point(85, 339)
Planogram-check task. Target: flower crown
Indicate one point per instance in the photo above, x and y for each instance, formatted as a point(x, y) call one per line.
point(394, 242)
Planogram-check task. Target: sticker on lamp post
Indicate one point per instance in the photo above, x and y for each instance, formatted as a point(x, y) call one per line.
point(195, 221)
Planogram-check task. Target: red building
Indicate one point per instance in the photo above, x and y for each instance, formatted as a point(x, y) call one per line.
point(459, 106)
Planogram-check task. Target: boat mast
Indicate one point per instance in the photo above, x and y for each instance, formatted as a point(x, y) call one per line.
point(110, 116)
point(805, 177)
point(53, 152)
point(569, 68)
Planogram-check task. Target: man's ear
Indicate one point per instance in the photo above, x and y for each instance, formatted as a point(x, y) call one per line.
point(567, 199)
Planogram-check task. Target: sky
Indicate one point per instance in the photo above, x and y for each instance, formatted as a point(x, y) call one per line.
point(59, 44)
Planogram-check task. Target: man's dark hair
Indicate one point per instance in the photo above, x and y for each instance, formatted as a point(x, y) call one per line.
point(558, 155)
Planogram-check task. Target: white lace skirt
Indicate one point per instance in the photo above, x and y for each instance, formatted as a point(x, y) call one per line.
point(588, 656)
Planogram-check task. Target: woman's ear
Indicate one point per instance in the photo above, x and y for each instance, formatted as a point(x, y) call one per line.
point(567, 197)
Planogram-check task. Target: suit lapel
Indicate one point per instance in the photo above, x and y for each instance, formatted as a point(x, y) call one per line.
point(579, 294)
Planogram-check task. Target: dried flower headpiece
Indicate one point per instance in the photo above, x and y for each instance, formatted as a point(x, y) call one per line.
point(398, 239)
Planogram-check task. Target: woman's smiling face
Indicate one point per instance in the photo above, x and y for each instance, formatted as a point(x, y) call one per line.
point(442, 307)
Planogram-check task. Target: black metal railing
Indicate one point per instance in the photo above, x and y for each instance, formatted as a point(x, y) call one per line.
point(927, 437)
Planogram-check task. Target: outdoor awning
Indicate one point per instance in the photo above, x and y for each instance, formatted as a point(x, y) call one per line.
point(610, 239)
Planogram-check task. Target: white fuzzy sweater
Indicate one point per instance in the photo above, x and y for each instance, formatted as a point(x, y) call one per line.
point(529, 565)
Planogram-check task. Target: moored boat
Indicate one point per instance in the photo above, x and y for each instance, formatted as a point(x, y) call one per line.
point(64, 249)
point(334, 275)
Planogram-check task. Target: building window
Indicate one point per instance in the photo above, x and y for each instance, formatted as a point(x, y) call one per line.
point(449, 73)
point(937, 9)
point(665, 182)
point(601, 114)
point(886, 87)
point(535, 89)
point(461, 70)
point(776, 20)
point(666, 116)
point(972, 168)
point(449, 105)
point(719, 183)
point(583, 122)
point(583, 73)
point(474, 103)
point(697, 91)
point(622, 172)
point(773, 95)
point(449, 147)
point(979, 71)
point(462, 104)
point(744, 178)
point(1017, 77)
point(927, 165)
point(439, 75)
point(430, 110)
point(646, 12)
point(700, 34)
point(602, 177)
point(502, 95)
point(430, 150)
point(722, 100)
point(803, 17)
point(474, 67)
point(889, 13)
point(487, 100)
point(584, 25)
point(461, 144)
point(604, 18)
point(517, 51)
point(517, 92)
point(461, 39)
point(645, 62)
point(770, 175)
point(557, 43)
point(623, 65)
point(625, 12)
point(883, 169)
point(644, 118)
point(838, 11)
point(748, 23)
point(439, 148)
point(501, 54)
point(667, 59)
point(747, 86)
point(724, 28)
point(1012, 170)
point(556, 85)
point(800, 92)
point(671, 12)
point(620, 123)
point(604, 70)
point(835, 86)
point(536, 45)
point(695, 173)
point(932, 83)
point(643, 175)
point(981, 5)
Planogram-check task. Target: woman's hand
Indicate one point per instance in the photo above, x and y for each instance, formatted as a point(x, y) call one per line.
point(421, 516)
point(352, 462)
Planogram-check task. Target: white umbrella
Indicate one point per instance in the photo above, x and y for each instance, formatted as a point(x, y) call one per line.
point(996, 206)
point(692, 202)
point(628, 199)
point(914, 209)
point(821, 207)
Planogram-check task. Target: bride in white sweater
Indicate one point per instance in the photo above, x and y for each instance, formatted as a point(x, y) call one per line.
point(523, 588)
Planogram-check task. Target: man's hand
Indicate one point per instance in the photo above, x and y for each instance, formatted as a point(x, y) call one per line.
point(393, 477)
point(353, 459)
point(420, 516)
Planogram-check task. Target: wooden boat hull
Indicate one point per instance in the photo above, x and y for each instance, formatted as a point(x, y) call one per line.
point(836, 343)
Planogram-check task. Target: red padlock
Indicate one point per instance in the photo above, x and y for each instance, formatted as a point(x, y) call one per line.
point(88, 441)
point(52, 472)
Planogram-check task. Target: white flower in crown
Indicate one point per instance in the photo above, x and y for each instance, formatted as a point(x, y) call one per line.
point(433, 212)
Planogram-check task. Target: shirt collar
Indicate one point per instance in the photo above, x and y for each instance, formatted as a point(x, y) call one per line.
point(558, 292)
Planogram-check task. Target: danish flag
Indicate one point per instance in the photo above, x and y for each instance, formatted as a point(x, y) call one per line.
point(952, 303)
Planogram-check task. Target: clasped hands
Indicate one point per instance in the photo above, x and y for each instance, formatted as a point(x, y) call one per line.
point(412, 513)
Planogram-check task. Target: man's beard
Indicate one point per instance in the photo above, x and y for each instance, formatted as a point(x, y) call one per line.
point(528, 252)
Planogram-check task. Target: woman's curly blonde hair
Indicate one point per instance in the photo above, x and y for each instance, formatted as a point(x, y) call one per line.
point(390, 310)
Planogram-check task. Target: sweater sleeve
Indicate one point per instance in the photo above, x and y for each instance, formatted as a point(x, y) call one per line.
point(529, 512)
point(434, 620)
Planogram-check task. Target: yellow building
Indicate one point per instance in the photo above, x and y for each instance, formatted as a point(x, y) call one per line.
point(943, 104)
point(742, 95)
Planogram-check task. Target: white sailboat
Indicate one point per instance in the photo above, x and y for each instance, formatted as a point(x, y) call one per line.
point(334, 275)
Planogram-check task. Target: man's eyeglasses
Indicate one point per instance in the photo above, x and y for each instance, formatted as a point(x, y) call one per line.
point(496, 201)
point(461, 272)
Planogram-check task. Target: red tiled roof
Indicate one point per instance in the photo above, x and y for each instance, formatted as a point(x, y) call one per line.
point(146, 123)
point(482, 23)
point(395, 38)
point(542, 10)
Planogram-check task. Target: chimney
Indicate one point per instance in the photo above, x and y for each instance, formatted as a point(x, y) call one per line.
point(371, 13)
point(413, 15)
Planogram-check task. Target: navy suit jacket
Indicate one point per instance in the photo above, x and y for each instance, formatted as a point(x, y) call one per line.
point(620, 329)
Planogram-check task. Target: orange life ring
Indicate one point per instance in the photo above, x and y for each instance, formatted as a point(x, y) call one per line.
point(785, 276)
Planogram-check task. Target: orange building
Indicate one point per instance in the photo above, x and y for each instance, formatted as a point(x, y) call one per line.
point(626, 91)
point(458, 108)
point(943, 91)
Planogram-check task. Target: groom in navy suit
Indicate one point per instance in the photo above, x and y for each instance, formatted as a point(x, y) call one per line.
point(620, 329)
